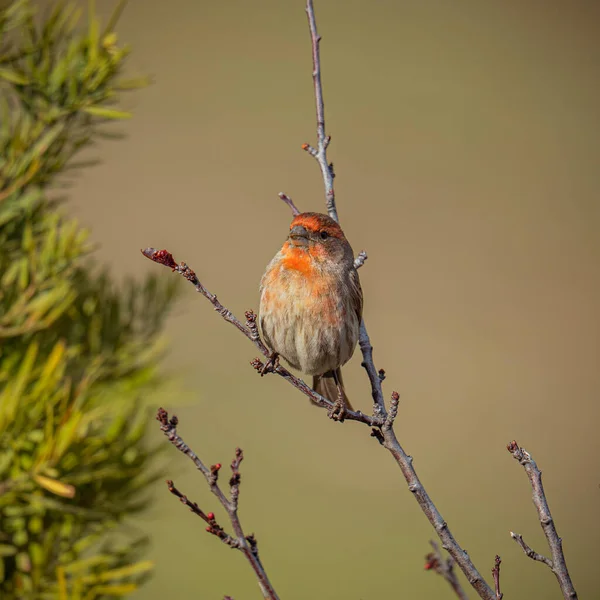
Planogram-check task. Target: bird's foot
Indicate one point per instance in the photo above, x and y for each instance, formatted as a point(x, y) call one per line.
point(271, 365)
point(338, 411)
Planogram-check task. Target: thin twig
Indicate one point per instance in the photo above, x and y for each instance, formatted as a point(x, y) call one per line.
point(496, 576)
point(558, 563)
point(529, 551)
point(374, 378)
point(359, 261)
point(245, 543)
point(234, 481)
point(290, 203)
point(320, 153)
point(436, 563)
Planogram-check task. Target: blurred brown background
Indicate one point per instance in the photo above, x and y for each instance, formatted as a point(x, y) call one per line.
point(466, 144)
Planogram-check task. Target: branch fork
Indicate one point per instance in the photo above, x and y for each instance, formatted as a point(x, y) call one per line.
point(239, 541)
point(557, 563)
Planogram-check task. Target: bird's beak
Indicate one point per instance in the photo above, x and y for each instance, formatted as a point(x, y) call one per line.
point(299, 235)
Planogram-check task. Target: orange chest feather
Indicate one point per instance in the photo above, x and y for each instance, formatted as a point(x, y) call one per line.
point(300, 282)
point(297, 260)
point(305, 261)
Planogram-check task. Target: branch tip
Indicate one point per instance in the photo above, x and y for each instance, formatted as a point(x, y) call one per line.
point(359, 261)
point(162, 257)
point(392, 413)
point(496, 576)
point(558, 563)
point(295, 210)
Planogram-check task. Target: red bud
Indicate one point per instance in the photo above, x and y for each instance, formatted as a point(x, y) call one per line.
point(210, 516)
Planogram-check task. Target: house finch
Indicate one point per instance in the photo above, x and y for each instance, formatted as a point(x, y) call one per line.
point(311, 304)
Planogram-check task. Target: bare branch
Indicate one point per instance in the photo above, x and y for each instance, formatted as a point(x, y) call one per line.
point(320, 153)
point(245, 543)
point(436, 563)
point(290, 203)
point(234, 481)
point(529, 550)
point(359, 261)
point(558, 563)
point(393, 412)
point(434, 516)
point(374, 376)
point(496, 576)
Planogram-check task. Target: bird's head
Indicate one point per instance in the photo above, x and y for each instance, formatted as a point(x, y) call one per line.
point(319, 236)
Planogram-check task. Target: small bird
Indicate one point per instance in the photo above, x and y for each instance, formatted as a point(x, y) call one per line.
point(311, 304)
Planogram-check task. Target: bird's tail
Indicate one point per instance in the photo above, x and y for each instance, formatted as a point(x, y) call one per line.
point(326, 386)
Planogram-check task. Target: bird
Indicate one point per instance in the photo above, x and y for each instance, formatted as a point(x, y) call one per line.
point(311, 305)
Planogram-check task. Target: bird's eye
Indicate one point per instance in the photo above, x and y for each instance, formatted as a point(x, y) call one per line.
point(324, 235)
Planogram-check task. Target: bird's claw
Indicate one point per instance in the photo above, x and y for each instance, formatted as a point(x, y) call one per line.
point(338, 411)
point(271, 365)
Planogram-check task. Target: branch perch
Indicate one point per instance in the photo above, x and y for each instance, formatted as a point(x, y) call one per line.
point(245, 543)
point(557, 564)
point(250, 330)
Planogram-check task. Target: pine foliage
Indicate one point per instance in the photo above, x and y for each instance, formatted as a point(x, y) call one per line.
point(78, 354)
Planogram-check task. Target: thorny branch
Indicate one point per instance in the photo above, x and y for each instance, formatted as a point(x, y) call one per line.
point(245, 543)
point(436, 563)
point(557, 564)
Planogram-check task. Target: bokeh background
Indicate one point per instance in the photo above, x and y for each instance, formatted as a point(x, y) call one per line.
point(466, 144)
